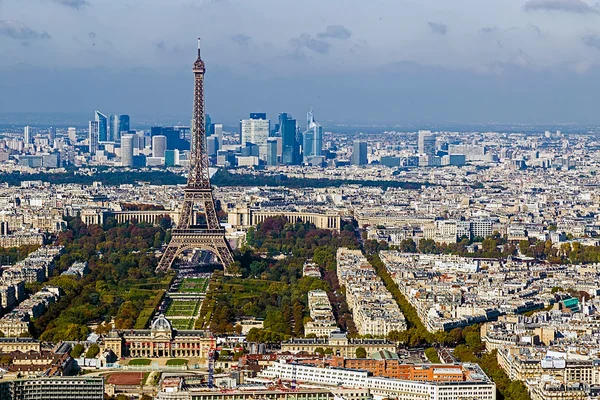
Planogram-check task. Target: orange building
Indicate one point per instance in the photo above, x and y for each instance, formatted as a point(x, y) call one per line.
point(393, 368)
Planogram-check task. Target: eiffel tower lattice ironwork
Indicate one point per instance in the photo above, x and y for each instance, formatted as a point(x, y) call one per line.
point(192, 232)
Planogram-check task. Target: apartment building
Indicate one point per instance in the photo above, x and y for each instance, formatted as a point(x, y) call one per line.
point(374, 310)
point(322, 322)
point(475, 384)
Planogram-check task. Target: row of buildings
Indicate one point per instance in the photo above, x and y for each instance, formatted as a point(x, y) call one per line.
point(322, 322)
point(430, 382)
point(374, 310)
point(18, 310)
point(52, 388)
point(16, 322)
point(451, 291)
point(554, 352)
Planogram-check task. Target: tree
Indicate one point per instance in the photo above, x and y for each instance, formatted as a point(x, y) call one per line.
point(395, 336)
point(77, 350)
point(428, 246)
point(408, 246)
point(432, 355)
point(157, 240)
point(524, 247)
point(489, 248)
point(6, 360)
point(565, 249)
point(320, 351)
point(251, 236)
point(166, 222)
point(455, 336)
point(361, 352)
point(92, 351)
point(473, 341)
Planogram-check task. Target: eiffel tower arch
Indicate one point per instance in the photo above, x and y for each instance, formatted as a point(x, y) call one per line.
point(198, 226)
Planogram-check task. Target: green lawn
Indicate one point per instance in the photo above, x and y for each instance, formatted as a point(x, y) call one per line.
point(183, 324)
point(183, 308)
point(177, 361)
point(140, 361)
point(193, 285)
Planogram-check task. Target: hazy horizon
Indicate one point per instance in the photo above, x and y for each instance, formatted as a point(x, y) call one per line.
point(388, 62)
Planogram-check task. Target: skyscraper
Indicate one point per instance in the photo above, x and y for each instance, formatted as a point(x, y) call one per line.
point(312, 144)
point(51, 135)
point(118, 124)
point(27, 135)
point(272, 151)
point(426, 143)
point(308, 143)
point(217, 129)
point(212, 145)
point(208, 125)
point(258, 115)
point(290, 146)
point(113, 128)
point(256, 131)
point(127, 150)
point(159, 145)
point(359, 153)
point(93, 136)
point(124, 122)
point(102, 127)
point(72, 133)
point(173, 134)
point(171, 158)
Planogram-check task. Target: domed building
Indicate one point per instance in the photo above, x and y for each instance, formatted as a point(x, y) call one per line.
point(161, 328)
point(161, 340)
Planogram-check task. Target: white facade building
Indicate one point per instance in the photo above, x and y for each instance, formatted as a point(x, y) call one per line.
point(159, 146)
point(256, 131)
point(477, 385)
point(28, 135)
point(127, 150)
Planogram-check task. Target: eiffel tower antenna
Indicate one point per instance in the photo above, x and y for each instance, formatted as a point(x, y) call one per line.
point(198, 226)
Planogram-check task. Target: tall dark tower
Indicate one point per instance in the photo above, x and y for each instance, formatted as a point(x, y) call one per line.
point(198, 226)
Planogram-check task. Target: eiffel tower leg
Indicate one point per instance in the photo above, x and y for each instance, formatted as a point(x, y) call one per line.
point(182, 240)
point(224, 253)
point(167, 258)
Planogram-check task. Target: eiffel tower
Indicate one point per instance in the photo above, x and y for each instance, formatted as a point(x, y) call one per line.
point(193, 232)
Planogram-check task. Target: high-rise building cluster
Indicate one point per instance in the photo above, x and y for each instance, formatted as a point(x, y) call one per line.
point(104, 130)
point(285, 144)
point(109, 140)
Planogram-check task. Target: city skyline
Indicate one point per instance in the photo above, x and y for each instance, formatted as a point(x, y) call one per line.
point(431, 230)
point(449, 245)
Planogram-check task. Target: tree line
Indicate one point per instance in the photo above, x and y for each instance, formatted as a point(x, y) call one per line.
point(120, 285)
point(271, 286)
point(225, 178)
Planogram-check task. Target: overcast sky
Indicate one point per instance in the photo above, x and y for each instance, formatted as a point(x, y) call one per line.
point(389, 60)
